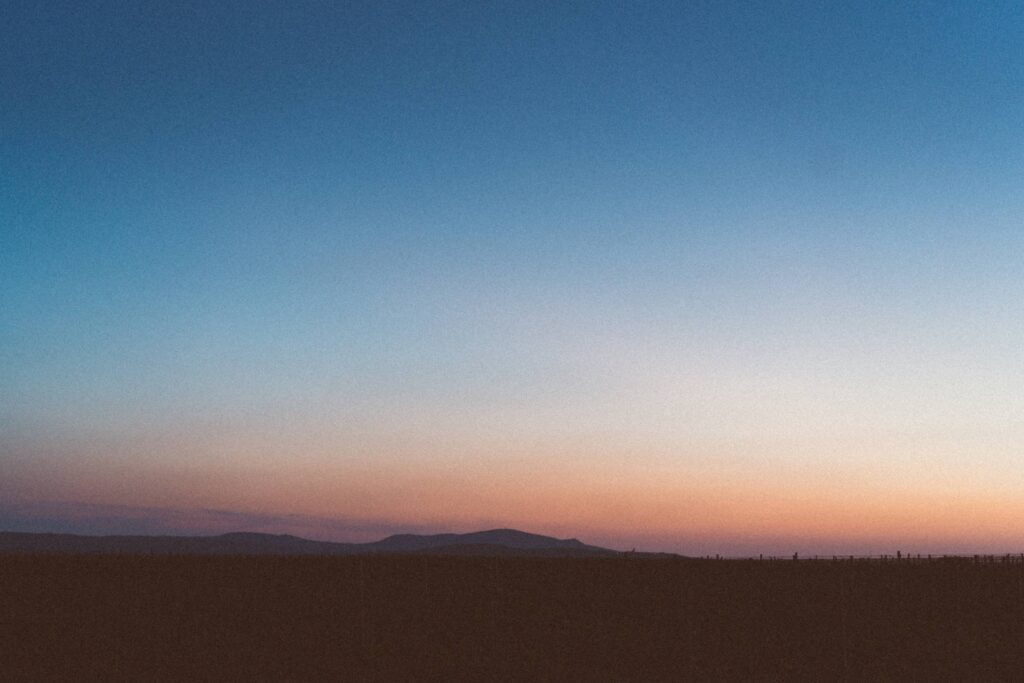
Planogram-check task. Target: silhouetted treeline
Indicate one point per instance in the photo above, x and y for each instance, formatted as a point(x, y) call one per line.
point(438, 618)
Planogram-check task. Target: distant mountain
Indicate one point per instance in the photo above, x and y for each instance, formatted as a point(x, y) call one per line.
point(504, 538)
point(490, 550)
point(226, 544)
point(497, 542)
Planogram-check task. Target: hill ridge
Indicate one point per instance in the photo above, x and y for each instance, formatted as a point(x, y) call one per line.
point(503, 541)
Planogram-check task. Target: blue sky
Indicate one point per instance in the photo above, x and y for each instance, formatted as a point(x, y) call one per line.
point(714, 240)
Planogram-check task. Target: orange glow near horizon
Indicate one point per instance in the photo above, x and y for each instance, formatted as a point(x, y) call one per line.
point(602, 496)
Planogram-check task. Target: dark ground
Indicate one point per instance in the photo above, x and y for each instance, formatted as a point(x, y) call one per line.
point(439, 618)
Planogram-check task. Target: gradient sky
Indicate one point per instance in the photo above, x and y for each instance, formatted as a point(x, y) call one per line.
point(695, 276)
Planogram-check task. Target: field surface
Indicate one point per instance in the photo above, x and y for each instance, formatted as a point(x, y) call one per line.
point(78, 617)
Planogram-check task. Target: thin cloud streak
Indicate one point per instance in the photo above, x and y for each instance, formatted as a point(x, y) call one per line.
point(100, 519)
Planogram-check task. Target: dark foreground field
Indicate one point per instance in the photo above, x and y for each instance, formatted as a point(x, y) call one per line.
point(110, 617)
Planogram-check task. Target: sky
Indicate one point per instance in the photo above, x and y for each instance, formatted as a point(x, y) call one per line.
point(700, 277)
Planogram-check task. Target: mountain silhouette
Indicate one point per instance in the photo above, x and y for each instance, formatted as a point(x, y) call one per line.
point(506, 538)
point(503, 542)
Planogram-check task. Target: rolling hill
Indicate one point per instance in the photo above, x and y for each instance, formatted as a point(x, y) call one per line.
point(493, 542)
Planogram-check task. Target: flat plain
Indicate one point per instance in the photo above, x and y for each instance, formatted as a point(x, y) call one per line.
point(120, 617)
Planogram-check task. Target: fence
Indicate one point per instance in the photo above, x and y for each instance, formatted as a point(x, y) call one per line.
point(1008, 558)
